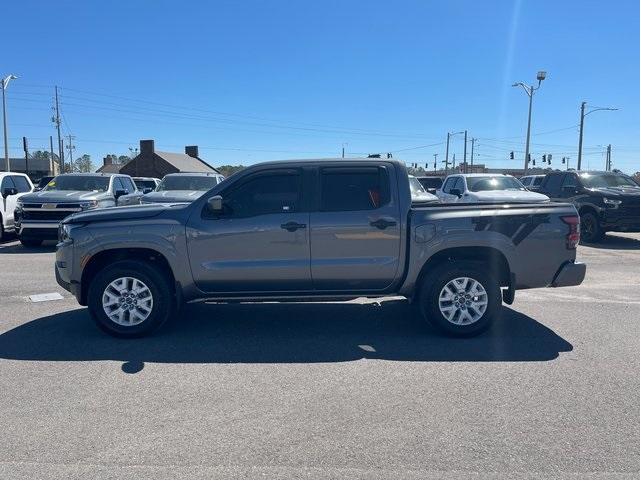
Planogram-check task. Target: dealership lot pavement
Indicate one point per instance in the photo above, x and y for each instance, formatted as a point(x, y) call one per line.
point(327, 390)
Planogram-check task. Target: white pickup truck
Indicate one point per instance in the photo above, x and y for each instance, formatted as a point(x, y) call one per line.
point(486, 188)
point(12, 186)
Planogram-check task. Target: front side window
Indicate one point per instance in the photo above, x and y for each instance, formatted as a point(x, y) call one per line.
point(264, 194)
point(482, 184)
point(538, 181)
point(7, 183)
point(448, 184)
point(459, 185)
point(353, 189)
point(21, 183)
point(83, 183)
point(526, 181)
point(570, 181)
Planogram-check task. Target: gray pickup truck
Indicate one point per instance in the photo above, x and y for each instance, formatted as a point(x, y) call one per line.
point(38, 214)
point(311, 230)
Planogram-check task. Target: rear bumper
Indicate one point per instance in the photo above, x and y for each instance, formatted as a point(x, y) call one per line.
point(570, 274)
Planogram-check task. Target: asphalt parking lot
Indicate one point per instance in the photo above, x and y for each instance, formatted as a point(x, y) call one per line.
point(327, 390)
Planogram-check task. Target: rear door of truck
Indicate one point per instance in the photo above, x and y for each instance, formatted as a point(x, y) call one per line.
point(355, 227)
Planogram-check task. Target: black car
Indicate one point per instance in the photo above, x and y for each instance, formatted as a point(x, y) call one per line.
point(606, 201)
point(431, 184)
point(42, 183)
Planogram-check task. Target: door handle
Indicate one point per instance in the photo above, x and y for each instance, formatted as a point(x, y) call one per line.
point(381, 223)
point(292, 226)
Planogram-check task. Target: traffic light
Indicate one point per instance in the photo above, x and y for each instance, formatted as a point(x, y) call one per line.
point(511, 156)
point(549, 158)
point(564, 160)
point(389, 155)
point(534, 162)
point(544, 159)
point(529, 159)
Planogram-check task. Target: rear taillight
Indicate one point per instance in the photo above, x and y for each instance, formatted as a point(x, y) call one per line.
point(573, 237)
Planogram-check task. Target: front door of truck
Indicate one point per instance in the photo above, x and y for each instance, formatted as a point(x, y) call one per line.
point(355, 230)
point(260, 241)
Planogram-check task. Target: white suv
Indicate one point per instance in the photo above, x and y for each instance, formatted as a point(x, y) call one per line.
point(12, 186)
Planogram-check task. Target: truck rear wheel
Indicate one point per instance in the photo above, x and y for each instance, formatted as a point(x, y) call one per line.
point(130, 299)
point(460, 298)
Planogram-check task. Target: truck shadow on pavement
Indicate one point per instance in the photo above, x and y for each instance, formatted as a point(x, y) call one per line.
point(616, 242)
point(282, 333)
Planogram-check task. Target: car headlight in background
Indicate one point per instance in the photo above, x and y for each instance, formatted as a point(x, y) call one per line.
point(86, 205)
point(611, 202)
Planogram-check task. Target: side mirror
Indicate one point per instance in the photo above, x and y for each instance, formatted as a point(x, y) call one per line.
point(119, 193)
point(7, 192)
point(147, 190)
point(214, 204)
point(456, 192)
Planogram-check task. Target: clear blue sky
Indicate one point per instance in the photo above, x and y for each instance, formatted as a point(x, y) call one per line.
point(257, 80)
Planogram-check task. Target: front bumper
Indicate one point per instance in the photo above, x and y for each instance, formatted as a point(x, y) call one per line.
point(623, 219)
point(570, 274)
point(63, 269)
point(45, 229)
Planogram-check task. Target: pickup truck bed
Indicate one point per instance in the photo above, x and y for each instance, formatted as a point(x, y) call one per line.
point(315, 229)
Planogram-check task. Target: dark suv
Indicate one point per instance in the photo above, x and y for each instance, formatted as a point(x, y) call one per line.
point(606, 201)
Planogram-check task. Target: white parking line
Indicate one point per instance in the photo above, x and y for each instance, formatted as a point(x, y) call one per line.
point(46, 297)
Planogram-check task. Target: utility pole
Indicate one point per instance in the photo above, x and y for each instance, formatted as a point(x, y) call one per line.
point(453, 166)
point(446, 155)
point(25, 147)
point(70, 147)
point(473, 141)
point(435, 162)
point(583, 106)
point(52, 164)
point(56, 120)
point(530, 90)
point(608, 158)
point(465, 152)
point(4, 83)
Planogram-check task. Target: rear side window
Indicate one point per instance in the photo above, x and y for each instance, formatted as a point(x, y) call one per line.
point(526, 181)
point(21, 183)
point(538, 181)
point(353, 189)
point(552, 182)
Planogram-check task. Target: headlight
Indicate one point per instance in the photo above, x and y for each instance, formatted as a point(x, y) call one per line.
point(65, 231)
point(88, 204)
point(611, 202)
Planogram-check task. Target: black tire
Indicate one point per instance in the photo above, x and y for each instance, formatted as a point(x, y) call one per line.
point(435, 282)
point(590, 229)
point(31, 242)
point(163, 299)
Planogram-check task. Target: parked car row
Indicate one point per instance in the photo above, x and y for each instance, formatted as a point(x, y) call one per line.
point(35, 215)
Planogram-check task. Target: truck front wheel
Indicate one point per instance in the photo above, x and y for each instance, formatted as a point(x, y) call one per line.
point(460, 298)
point(130, 298)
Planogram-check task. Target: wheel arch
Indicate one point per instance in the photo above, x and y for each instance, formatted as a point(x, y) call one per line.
point(105, 257)
point(492, 257)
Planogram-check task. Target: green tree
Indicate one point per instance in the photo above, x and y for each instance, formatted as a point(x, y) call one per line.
point(228, 170)
point(82, 164)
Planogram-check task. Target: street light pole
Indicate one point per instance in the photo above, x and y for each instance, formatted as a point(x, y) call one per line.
point(446, 155)
point(530, 90)
point(5, 83)
point(583, 106)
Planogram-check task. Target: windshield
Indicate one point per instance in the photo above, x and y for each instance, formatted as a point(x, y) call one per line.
point(83, 183)
point(186, 182)
point(416, 187)
point(604, 180)
point(481, 184)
